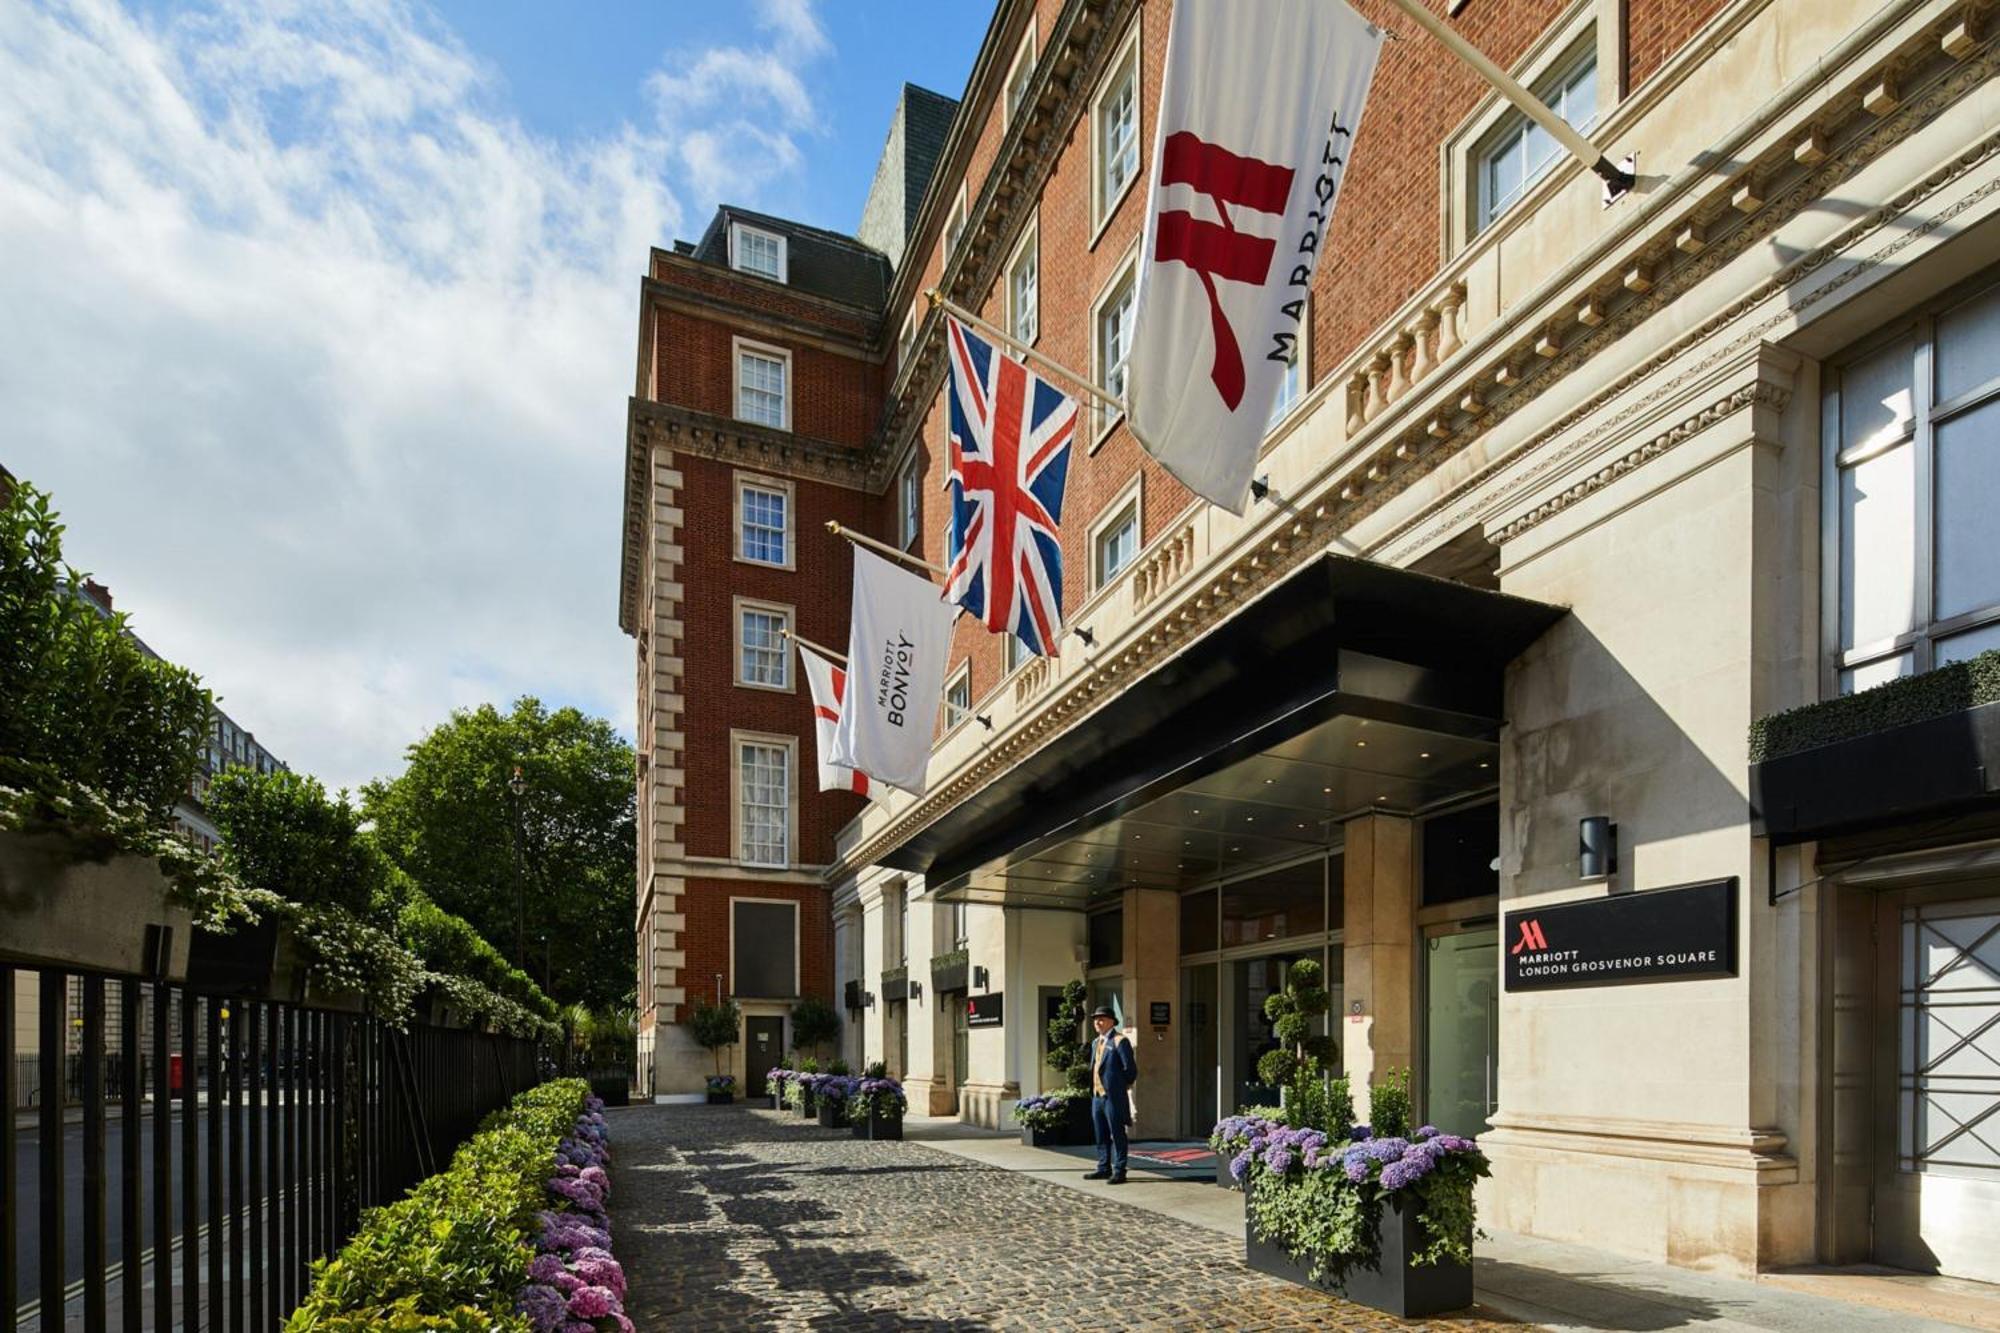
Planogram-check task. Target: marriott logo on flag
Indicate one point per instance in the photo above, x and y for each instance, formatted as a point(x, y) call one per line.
point(1256, 120)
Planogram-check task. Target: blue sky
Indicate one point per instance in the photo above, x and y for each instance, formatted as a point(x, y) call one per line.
point(580, 67)
point(333, 306)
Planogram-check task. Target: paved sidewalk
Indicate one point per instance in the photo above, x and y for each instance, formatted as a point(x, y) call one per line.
point(1560, 1287)
point(730, 1218)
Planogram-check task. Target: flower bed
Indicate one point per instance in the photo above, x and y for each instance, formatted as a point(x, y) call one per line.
point(1362, 1216)
point(455, 1252)
point(1054, 1119)
point(1231, 1140)
point(721, 1089)
point(831, 1093)
point(777, 1086)
point(877, 1106)
point(574, 1284)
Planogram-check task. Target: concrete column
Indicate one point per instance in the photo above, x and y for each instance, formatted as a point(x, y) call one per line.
point(923, 1013)
point(874, 947)
point(1378, 950)
point(1153, 974)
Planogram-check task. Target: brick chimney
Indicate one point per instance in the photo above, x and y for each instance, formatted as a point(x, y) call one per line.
point(98, 593)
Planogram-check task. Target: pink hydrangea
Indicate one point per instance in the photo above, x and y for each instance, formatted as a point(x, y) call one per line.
point(591, 1303)
point(602, 1273)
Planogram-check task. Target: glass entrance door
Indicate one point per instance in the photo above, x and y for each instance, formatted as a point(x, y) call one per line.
point(1201, 1050)
point(1462, 1029)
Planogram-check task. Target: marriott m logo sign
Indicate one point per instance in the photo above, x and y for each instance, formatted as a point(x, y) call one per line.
point(1216, 251)
point(1532, 940)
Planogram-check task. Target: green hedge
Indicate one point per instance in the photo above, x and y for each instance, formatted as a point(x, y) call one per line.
point(448, 943)
point(453, 1254)
point(1950, 689)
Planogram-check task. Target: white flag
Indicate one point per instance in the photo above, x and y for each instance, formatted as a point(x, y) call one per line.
point(895, 673)
point(828, 684)
point(1257, 118)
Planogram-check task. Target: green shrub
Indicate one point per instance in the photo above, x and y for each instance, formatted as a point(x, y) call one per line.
point(452, 1254)
point(1389, 1105)
point(447, 943)
point(77, 694)
point(1069, 1049)
point(715, 1027)
point(1949, 689)
point(814, 1024)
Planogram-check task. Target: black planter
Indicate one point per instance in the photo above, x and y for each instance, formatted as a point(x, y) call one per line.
point(832, 1113)
point(874, 1126)
point(1394, 1286)
point(721, 1098)
point(1222, 1176)
point(1074, 1131)
point(809, 1109)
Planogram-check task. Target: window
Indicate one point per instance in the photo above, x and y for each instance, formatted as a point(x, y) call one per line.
point(1518, 151)
point(908, 504)
point(763, 658)
point(764, 948)
point(1012, 653)
point(1024, 280)
point(762, 375)
point(1023, 73)
point(763, 522)
point(1115, 544)
point(1113, 343)
point(1293, 386)
point(1913, 478)
point(755, 251)
point(1114, 139)
point(958, 697)
point(764, 801)
point(954, 226)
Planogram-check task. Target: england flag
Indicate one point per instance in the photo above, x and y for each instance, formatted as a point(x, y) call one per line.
point(829, 690)
point(1010, 438)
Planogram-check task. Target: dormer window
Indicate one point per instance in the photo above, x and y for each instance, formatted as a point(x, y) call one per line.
point(754, 250)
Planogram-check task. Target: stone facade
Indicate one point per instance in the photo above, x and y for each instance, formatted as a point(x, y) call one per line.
point(1612, 410)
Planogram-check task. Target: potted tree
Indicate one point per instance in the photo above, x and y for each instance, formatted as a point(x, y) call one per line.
point(814, 1024)
point(715, 1028)
point(1062, 1118)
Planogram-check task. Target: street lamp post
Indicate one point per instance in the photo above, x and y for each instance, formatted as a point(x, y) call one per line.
point(516, 787)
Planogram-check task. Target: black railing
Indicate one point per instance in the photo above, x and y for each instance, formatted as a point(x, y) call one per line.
point(205, 1149)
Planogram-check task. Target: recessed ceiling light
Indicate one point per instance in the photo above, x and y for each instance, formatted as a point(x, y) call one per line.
point(1361, 745)
point(1302, 826)
point(1268, 781)
point(1235, 849)
point(1424, 754)
point(1327, 790)
point(1249, 819)
point(1482, 763)
point(1197, 810)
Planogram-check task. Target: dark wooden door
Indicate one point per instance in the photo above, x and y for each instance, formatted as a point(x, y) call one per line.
point(764, 1045)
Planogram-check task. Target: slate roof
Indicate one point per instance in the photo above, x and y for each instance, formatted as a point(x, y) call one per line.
point(820, 262)
point(927, 118)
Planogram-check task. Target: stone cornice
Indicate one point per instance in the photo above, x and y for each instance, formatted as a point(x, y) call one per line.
point(742, 444)
point(1395, 458)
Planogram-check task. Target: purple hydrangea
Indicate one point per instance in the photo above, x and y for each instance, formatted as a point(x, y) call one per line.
point(545, 1268)
point(1278, 1160)
point(545, 1307)
point(1406, 1171)
point(603, 1273)
point(596, 1176)
point(1361, 1133)
point(1239, 1165)
point(1354, 1163)
point(1427, 1132)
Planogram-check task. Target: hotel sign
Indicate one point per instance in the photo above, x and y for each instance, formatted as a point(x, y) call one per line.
point(1685, 933)
point(983, 1011)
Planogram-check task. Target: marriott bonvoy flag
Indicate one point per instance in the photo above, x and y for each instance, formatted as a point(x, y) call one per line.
point(1257, 116)
point(828, 684)
point(895, 673)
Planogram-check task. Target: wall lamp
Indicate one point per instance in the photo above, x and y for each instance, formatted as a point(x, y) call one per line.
point(916, 990)
point(1597, 847)
point(981, 978)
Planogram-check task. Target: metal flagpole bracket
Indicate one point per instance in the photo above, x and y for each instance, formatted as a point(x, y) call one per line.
point(983, 720)
point(839, 529)
point(1080, 383)
point(1618, 180)
point(1260, 486)
point(1083, 632)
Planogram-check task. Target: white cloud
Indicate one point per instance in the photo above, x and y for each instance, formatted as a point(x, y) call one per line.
point(325, 356)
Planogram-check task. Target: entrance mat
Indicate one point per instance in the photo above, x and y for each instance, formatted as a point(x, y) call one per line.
point(1174, 1157)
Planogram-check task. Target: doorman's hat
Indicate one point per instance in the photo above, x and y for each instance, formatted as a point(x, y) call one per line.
point(1103, 1011)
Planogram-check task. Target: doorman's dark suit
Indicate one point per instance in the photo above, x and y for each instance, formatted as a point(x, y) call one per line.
point(1114, 1069)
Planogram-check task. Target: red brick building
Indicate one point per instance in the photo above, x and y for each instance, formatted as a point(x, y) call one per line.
point(1654, 522)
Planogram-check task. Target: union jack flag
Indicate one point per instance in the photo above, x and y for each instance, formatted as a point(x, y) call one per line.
point(1010, 437)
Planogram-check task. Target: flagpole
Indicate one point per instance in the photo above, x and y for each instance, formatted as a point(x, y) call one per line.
point(1076, 381)
point(838, 529)
point(1617, 180)
point(819, 648)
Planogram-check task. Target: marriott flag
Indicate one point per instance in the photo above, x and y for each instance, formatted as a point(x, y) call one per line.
point(1257, 118)
point(895, 673)
point(829, 685)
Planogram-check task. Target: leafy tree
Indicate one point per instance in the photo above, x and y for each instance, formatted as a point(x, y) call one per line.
point(452, 823)
point(80, 700)
point(1069, 1049)
point(715, 1027)
point(814, 1024)
point(282, 832)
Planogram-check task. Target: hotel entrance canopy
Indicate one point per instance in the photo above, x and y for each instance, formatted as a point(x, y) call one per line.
point(1350, 686)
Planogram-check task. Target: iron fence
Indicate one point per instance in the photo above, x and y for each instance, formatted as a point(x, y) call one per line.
point(207, 1148)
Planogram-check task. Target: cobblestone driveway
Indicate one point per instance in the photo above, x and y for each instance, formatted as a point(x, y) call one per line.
point(739, 1219)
